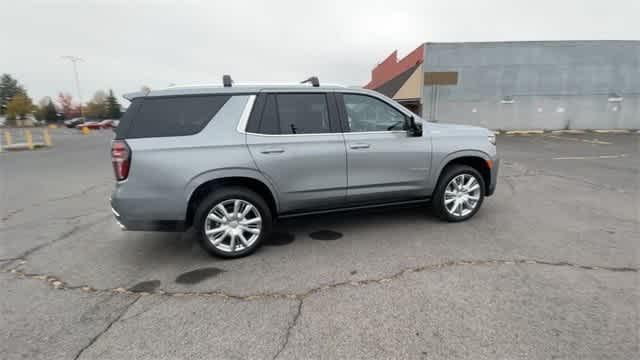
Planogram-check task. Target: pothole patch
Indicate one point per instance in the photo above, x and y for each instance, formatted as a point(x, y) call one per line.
point(325, 235)
point(145, 286)
point(196, 276)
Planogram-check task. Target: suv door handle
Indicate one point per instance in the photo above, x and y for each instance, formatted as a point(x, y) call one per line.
point(359, 146)
point(272, 151)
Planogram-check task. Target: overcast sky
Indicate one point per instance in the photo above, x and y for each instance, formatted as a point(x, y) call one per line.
point(127, 44)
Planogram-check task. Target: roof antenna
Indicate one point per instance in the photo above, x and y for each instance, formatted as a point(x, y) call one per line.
point(313, 80)
point(226, 80)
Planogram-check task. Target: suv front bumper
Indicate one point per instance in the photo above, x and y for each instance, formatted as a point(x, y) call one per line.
point(494, 177)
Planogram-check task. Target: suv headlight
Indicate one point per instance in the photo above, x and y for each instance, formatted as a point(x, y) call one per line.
point(492, 138)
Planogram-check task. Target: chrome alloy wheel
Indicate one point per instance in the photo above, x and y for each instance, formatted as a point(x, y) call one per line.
point(233, 225)
point(461, 195)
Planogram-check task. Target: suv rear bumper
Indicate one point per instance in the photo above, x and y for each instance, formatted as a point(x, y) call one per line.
point(146, 225)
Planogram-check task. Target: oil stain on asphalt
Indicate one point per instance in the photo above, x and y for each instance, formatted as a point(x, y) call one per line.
point(278, 238)
point(145, 286)
point(325, 235)
point(196, 276)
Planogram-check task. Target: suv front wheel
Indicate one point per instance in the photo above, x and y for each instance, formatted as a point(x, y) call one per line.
point(232, 222)
point(459, 193)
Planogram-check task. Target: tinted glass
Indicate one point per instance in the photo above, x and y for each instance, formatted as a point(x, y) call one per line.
point(303, 113)
point(365, 113)
point(269, 123)
point(127, 119)
point(174, 116)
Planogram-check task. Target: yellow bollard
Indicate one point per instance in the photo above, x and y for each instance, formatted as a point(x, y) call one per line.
point(85, 130)
point(7, 137)
point(29, 138)
point(46, 137)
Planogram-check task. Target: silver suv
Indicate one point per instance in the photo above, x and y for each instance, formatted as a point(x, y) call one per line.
point(229, 160)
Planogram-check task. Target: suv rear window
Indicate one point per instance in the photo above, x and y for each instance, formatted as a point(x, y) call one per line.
point(170, 116)
point(127, 119)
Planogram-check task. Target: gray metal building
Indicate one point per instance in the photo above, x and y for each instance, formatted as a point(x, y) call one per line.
point(519, 85)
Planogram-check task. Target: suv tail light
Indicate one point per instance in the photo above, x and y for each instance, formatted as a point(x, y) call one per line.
point(121, 159)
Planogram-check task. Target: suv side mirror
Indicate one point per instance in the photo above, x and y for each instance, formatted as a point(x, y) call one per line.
point(414, 128)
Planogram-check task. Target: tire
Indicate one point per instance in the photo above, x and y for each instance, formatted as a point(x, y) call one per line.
point(465, 207)
point(236, 227)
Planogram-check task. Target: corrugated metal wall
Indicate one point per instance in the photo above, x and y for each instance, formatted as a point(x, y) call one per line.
point(536, 85)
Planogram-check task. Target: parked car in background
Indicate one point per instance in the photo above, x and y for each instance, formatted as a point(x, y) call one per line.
point(96, 125)
point(106, 124)
point(89, 125)
point(230, 160)
point(71, 123)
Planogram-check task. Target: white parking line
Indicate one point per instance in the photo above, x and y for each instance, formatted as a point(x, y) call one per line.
point(590, 157)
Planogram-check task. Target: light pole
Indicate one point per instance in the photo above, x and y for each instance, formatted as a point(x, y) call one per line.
point(74, 60)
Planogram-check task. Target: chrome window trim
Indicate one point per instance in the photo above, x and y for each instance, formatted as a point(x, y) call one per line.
point(246, 112)
point(313, 134)
point(377, 132)
point(325, 134)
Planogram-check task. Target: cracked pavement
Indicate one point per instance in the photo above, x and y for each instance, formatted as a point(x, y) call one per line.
point(547, 269)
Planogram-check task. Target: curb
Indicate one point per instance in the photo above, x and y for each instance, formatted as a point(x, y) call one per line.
point(568, 132)
point(27, 143)
point(612, 131)
point(524, 132)
point(23, 147)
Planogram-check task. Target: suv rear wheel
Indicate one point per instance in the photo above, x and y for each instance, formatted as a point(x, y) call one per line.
point(232, 222)
point(459, 193)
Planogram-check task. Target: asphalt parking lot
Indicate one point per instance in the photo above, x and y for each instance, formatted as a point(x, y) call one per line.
point(548, 269)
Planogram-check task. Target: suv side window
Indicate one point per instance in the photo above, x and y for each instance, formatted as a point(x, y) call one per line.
point(295, 114)
point(366, 113)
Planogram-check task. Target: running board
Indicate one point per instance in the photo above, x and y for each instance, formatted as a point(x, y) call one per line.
point(352, 208)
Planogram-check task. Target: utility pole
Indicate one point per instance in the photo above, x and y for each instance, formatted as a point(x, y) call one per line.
point(74, 60)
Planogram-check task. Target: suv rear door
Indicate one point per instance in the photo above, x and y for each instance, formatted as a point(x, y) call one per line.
point(384, 162)
point(295, 140)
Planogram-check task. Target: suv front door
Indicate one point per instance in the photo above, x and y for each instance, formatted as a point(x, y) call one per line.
point(385, 163)
point(297, 143)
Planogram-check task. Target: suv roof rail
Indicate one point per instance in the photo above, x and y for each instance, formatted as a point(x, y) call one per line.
point(257, 84)
point(313, 80)
point(226, 80)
